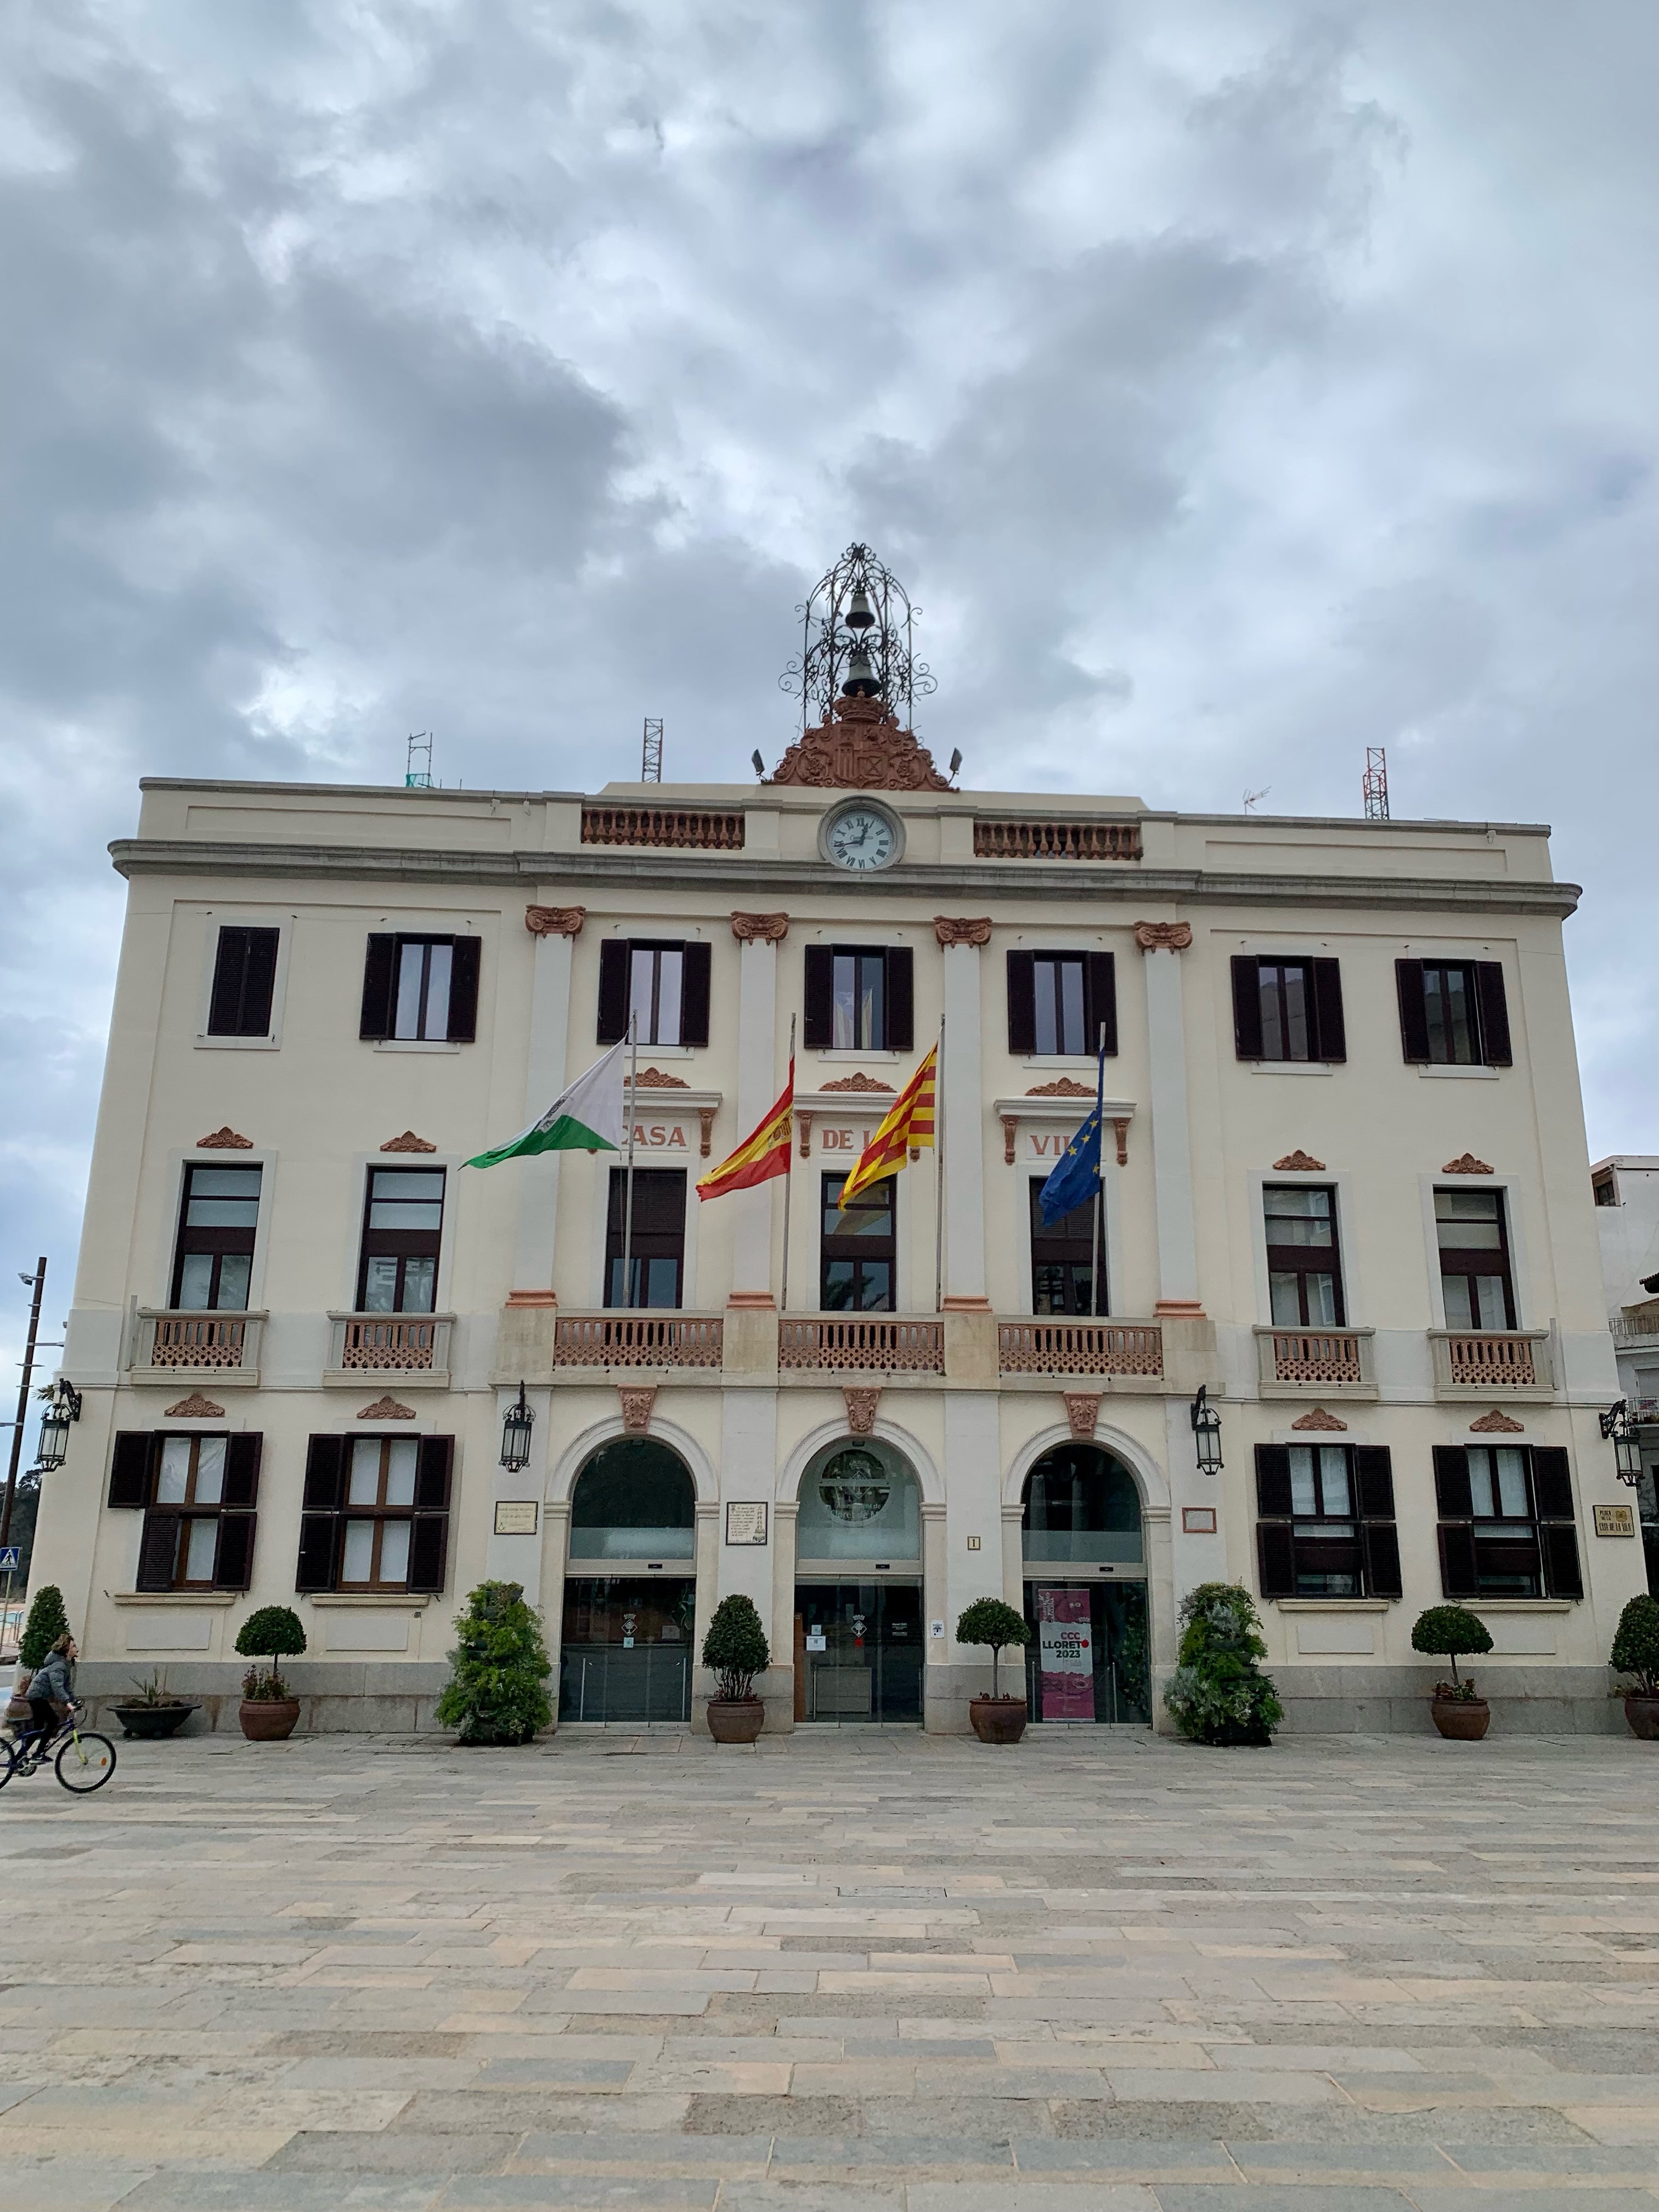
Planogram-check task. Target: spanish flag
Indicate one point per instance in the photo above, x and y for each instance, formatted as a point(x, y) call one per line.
point(763, 1153)
point(908, 1126)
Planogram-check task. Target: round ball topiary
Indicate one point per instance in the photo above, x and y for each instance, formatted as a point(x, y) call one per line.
point(1449, 1631)
point(272, 1633)
point(989, 1621)
point(1636, 1644)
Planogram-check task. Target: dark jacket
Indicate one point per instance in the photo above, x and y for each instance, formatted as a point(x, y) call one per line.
point(54, 1678)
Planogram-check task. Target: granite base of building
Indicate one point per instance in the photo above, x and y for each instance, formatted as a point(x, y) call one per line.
point(1395, 1700)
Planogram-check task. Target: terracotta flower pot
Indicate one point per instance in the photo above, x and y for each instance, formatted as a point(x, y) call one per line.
point(998, 1720)
point(268, 1720)
point(735, 1720)
point(1643, 1714)
point(1464, 1720)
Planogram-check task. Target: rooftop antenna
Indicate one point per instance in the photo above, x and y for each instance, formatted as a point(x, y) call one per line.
point(1251, 797)
point(417, 773)
point(651, 758)
point(1376, 784)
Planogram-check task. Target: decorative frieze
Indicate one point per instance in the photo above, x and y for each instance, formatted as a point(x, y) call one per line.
point(224, 1140)
point(387, 1409)
point(1497, 1424)
point(859, 1081)
point(961, 931)
point(195, 1408)
point(555, 920)
point(1299, 1164)
point(1164, 936)
point(760, 928)
point(1317, 1418)
point(408, 1142)
point(656, 1079)
point(1465, 1164)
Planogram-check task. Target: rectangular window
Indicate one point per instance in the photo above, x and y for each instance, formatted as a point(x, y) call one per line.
point(1453, 1013)
point(198, 1494)
point(375, 1514)
point(860, 1249)
point(662, 987)
point(1506, 1521)
point(858, 1017)
point(1060, 1002)
point(218, 1214)
point(1327, 1525)
point(420, 989)
point(244, 978)
point(656, 976)
point(1474, 1259)
point(1063, 1274)
point(380, 1506)
point(859, 999)
point(656, 1247)
point(1304, 1274)
point(402, 1230)
point(1286, 1007)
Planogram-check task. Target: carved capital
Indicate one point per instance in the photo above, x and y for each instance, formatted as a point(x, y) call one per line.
point(1467, 1164)
point(760, 928)
point(636, 1403)
point(387, 1409)
point(1496, 1423)
point(861, 1406)
point(1319, 1418)
point(1082, 1412)
point(195, 1408)
point(1299, 1164)
point(408, 1142)
point(860, 1081)
point(555, 920)
point(1169, 936)
point(961, 931)
point(224, 1140)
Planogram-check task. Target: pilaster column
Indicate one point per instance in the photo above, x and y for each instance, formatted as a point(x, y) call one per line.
point(759, 935)
point(707, 1514)
point(961, 1105)
point(781, 1634)
point(1013, 1556)
point(1163, 942)
point(556, 1538)
point(556, 929)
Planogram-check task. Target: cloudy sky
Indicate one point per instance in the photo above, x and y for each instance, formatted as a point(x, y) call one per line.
point(1235, 383)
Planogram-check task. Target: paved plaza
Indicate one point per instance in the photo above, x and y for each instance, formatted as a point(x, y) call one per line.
point(876, 1972)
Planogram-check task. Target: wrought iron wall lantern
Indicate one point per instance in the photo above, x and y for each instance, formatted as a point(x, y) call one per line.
point(63, 1406)
point(515, 1434)
point(1207, 1432)
point(1620, 1431)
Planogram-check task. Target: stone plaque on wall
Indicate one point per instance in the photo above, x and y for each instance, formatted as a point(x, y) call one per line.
point(1615, 1520)
point(744, 1523)
point(515, 1516)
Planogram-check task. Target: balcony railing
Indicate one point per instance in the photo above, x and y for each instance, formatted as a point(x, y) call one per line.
point(169, 1342)
point(1472, 1363)
point(1080, 1347)
point(1636, 1328)
point(638, 1340)
point(1295, 1360)
point(864, 1341)
point(415, 1348)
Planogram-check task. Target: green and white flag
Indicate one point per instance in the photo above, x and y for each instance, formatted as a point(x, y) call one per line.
point(586, 1118)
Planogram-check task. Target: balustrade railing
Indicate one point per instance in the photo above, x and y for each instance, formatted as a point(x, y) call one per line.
point(1080, 1347)
point(645, 1339)
point(884, 1341)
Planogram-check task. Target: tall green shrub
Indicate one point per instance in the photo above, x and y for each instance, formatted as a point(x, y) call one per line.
point(1218, 1695)
point(735, 1649)
point(1636, 1644)
point(497, 1692)
point(47, 1621)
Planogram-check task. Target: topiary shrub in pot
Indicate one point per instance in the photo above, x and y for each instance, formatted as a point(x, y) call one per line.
point(1218, 1695)
point(270, 1711)
point(1450, 1631)
point(1636, 1651)
point(735, 1650)
point(497, 1690)
point(988, 1622)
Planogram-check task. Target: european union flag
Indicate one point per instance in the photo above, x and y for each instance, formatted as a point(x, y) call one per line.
point(1076, 1179)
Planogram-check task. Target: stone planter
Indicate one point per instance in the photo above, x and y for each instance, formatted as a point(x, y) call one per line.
point(1463, 1720)
point(268, 1720)
point(151, 1721)
point(1643, 1714)
point(735, 1720)
point(998, 1720)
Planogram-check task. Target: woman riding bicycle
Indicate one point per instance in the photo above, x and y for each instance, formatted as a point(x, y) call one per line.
point(51, 1696)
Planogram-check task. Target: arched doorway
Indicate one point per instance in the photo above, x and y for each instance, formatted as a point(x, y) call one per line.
point(858, 1586)
point(630, 1587)
point(1084, 1561)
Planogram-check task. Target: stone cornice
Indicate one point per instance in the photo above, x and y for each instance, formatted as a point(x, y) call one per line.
point(626, 870)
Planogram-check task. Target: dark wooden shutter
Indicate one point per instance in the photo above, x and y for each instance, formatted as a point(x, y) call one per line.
point(818, 1025)
point(1022, 1002)
point(380, 973)
point(232, 1561)
point(319, 1542)
point(1100, 999)
point(1373, 1475)
point(158, 1548)
point(244, 980)
point(1381, 1542)
point(694, 977)
point(1453, 1498)
point(1276, 1556)
point(613, 990)
point(325, 1462)
point(466, 957)
point(242, 1457)
point(1494, 1014)
point(1272, 1481)
point(1247, 1006)
point(901, 1000)
point(1562, 1576)
point(259, 981)
point(129, 1469)
point(324, 1489)
point(1413, 1013)
point(1331, 1032)
point(1457, 1575)
point(429, 1544)
point(1552, 1483)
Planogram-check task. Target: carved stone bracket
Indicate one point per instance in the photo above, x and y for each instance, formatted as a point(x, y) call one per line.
point(1319, 1418)
point(636, 1403)
point(760, 928)
point(859, 746)
point(1299, 1164)
point(195, 1408)
point(1082, 1412)
point(657, 1078)
point(555, 920)
point(1496, 1423)
point(861, 1406)
point(804, 1126)
point(705, 1122)
point(860, 1081)
point(1467, 1164)
point(962, 932)
point(1121, 1129)
point(1169, 936)
point(408, 1142)
point(1010, 1135)
point(387, 1409)
point(224, 1140)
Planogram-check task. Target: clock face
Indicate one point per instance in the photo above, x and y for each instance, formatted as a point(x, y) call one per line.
point(861, 837)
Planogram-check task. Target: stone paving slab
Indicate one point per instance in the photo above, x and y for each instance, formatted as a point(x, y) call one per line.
point(853, 1969)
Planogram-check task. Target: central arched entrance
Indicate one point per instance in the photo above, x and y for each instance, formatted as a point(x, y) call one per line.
point(630, 1587)
point(858, 1586)
point(1084, 1563)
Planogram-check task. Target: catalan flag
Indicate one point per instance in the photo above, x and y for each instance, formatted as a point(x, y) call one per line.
point(763, 1153)
point(906, 1128)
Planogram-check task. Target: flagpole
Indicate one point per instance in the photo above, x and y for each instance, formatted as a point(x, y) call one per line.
point(1100, 1178)
point(788, 1173)
point(939, 1175)
point(627, 1205)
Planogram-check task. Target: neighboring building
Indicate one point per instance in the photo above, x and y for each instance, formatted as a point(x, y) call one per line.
point(1346, 1189)
point(1626, 1191)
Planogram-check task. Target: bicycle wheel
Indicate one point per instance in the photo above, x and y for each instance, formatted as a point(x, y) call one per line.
point(86, 1762)
point(8, 1762)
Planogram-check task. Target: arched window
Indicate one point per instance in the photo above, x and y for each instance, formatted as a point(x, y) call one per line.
point(635, 1500)
point(1081, 1509)
point(859, 1500)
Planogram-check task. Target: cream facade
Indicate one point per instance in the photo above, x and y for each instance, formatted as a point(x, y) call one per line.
point(1219, 1158)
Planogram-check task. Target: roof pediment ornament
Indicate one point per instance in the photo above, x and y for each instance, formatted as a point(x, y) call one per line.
point(859, 746)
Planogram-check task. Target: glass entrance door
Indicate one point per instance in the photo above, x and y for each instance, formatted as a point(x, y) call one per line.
point(1088, 1657)
point(857, 1651)
point(626, 1649)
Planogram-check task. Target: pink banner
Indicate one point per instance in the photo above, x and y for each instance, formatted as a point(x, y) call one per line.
point(1065, 1646)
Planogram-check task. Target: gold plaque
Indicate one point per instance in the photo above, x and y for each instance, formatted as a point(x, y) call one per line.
point(1615, 1520)
point(515, 1516)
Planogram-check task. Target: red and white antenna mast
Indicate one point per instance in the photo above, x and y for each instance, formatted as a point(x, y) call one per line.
point(1376, 784)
